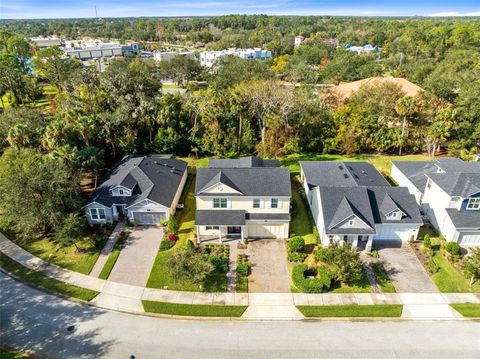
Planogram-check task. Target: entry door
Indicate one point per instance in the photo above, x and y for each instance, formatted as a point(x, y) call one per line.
point(234, 230)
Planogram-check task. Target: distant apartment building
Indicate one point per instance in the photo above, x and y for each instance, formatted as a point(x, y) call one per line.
point(169, 55)
point(88, 49)
point(209, 58)
point(366, 49)
point(43, 42)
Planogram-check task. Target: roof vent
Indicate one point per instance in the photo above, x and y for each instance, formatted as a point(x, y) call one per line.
point(341, 167)
point(363, 171)
point(156, 162)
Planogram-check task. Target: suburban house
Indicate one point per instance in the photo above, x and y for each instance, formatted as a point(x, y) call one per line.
point(144, 189)
point(352, 202)
point(448, 191)
point(242, 198)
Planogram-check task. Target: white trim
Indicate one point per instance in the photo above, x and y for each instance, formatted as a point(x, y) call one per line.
point(149, 201)
point(216, 184)
point(354, 215)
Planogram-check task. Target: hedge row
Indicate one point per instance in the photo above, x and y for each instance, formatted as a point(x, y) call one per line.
point(322, 281)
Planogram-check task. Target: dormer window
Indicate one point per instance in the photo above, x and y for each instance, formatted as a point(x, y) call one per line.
point(473, 204)
point(121, 192)
point(393, 215)
point(351, 222)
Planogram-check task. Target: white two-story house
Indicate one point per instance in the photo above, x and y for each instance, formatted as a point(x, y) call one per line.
point(448, 191)
point(242, 198)
point(352, 202)
point(144, 189)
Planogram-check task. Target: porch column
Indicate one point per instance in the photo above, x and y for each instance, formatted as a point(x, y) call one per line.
point(220, 234)
point(241, 235)
point(355, 242)
point(368, 247)
point(198, 234)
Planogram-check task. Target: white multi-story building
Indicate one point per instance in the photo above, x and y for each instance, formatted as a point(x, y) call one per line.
point(169, 55)
point(366, 49)
point(209, 58)
point(43, 42)
point(87, 49)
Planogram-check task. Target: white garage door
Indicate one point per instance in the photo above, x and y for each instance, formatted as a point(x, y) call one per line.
point(149, 217)
point(469, 239)
point(266, 231)
point(391, 233)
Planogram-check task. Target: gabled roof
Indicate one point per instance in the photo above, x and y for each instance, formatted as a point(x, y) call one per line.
point(346, 210)
point(243, 162)
point(457, 184)
point(256, 181)
point(150, 177)
point(464, 219)
point(341, 174)
point(384, 199)
point(389, 205)
point(220, 177)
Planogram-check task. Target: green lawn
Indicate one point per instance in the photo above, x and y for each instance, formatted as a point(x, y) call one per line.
point(469, 310)
point(302, 222)
point(44, 281)
point(107, 268)
point(160, 276)
point(359, 311)
point(193, 309)
point(6, 354)
point(66, 257)
point(360, 286)
point(449, 280)
point(383, 279)
point(49, 92)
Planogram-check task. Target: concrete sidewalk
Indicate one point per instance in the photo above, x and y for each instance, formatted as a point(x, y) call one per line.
point(105, 253)
point(262, 306)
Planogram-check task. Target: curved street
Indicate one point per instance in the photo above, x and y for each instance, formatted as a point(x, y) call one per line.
point(33, 319)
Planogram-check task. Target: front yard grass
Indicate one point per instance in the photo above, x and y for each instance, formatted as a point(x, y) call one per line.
point(67, 257)
point(358, 311)
point(196, 310)
point(107, 268)
point(160, 276)
point(469, 310)
point(43, 281)
point(449, 280)
point(360, 286)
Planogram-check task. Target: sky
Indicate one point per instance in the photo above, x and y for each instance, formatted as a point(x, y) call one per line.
point(21, 9)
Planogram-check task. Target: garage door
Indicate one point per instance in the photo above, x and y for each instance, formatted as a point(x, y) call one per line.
point(149, 217)
point(469, 239)
point(266, 231)
point(391, 233)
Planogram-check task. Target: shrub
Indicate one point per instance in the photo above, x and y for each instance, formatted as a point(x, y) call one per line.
point(172, 226)
point(345, 260)
point(316, 235)
point(243, 268)
point(325, 255)
point(471, 266)
point(311, 285)
point(427, 241)
point(172, 237)
point(431, 266)
point(295, 256)
point(220, 264)
point(163, 223)
point(296, 244)
point(374, 254)
point(453, 248)
point(166, 245)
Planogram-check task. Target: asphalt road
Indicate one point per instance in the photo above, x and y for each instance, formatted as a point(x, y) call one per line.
point(32, 319)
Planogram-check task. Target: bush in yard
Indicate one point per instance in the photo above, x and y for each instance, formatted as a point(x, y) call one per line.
point(345, 260)
point(166, 244)
point(172, 237)
point(296, 244)
point(325, 255)
point(471, 266)
point(427, 241)
point(188, 264)
point(431, 266)
point(311, 285)
point(316, 235)
point(172, 226)
point(453, 248)
point(295, 256)
point(220, 263)
point(243, 268)
point(70, 231)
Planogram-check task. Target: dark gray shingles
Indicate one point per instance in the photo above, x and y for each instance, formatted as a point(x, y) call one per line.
point(268, 216)
point(220, 217)
point(341, 174)
point(464, 219)
point(457, 184)
point(401, 198)
point(258, 181)
point(243, 162)
point(220, 177)
point(416, 171)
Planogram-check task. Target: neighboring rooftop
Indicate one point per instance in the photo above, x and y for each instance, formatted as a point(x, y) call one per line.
point(153, 177)
point(457, 183)
point(464, 219)
point(243, 162)
point(341, 174)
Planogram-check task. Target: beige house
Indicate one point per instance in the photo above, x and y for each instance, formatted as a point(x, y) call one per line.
point(244, 198)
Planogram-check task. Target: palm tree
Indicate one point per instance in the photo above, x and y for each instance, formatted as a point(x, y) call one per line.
point(405, 107)
point(92, 158)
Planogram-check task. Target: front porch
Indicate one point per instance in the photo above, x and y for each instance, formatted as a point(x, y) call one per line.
point(220, 234)
point(361, 242)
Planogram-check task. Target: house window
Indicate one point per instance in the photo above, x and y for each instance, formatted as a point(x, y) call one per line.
point(274, 203)
point(97, 213)
point(220, 203)
point(121, 192)
point(256, 203)
point(473, 203)
point(212, 228)
point(392, 215)
point(429, 183)
point(351, 222)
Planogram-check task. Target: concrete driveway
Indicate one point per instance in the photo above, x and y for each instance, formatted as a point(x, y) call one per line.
point(136, 259)
point(269, 266)
point(405, 269)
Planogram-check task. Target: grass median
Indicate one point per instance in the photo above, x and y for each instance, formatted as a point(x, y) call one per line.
point(469, 310)
point(40, 280)
point(194, 310)
point(353, 311)
point(107, 268)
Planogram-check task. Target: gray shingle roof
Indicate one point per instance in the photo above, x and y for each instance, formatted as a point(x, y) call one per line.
point(464, 219)
point(457, 184)
point(243, 162)
point(268, 216)
point(341, 174)
point(340, 203)
point(383, 199)
point(220, 217)
point(151, 177)
point(220, 177)
point(257, 181)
